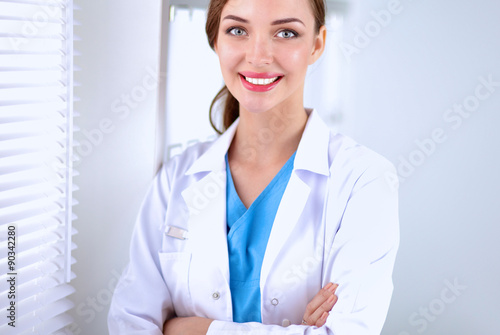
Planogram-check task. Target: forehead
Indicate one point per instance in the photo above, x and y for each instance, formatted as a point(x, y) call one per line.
point(268, 10)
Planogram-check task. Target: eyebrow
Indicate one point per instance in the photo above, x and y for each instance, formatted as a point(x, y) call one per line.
point(274, 23)
point(235, 18)
point(287, 20)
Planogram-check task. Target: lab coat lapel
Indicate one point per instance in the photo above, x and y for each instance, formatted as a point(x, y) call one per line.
point(206, 200)
point(311, 157)
point(290, 210)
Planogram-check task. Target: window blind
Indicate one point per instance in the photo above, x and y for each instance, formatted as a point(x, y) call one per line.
point(36, 168)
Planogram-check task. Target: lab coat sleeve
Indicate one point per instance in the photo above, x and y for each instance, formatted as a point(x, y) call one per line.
point(360, 258)
point(141, 301)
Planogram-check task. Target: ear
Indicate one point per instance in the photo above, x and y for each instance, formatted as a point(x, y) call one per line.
point(318, 45)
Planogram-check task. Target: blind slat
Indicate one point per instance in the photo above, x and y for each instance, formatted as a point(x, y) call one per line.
point(50, 41)
point(44, 3)
point(27, 19)
point(42, 307)
point(26, 196)
point(30, 241)
point(6, 170)
point(35, 52)
point(37, 93)
point(23, 176)
point(38, 286)
point(48, 85)
point(44, 221)
point(33, 225)
point(42, 144)
point(31, 77)
point(38, 270)
point(24, 60)
point(31, 68)
point(46, 121)
point(38, 207)
point(42, 254)
point(52, 326)
point(23, 157)
point(26, 109)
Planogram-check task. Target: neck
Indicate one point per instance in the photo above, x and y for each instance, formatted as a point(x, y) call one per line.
point(268, 137)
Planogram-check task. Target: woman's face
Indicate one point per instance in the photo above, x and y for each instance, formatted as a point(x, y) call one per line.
point(264, 49)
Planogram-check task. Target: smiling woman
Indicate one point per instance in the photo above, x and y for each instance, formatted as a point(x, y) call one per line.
point(291, 33)
point(277, 226)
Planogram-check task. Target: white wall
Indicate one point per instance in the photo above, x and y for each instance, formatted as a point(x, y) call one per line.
point(401, 85)
point(396, 91)
point(119, 50)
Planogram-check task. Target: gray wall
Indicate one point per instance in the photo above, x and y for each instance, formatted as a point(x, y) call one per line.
point(398, 92)
point(405, 91)
point(119, 57)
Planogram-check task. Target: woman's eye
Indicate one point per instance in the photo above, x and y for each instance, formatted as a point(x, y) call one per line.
point(237, 32)
point(287, 34)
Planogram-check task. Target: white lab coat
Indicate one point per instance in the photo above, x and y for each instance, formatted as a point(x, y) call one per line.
point(337, 222)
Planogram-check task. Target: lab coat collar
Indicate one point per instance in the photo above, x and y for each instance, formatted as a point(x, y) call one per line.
point(312, 153)
point(213, 158)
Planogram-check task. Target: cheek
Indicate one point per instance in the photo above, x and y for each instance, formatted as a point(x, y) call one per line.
point(228, 56)
point(294, 59)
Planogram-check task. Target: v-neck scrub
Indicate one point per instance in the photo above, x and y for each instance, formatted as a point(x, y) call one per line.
point(248, 234)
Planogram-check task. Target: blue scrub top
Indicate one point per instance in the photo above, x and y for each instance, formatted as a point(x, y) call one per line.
point(248, 234)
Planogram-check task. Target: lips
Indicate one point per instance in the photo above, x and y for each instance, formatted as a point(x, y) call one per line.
point(260, 82)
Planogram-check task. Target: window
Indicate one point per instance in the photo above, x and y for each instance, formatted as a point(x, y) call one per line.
point(185, 61)
point(36, 150)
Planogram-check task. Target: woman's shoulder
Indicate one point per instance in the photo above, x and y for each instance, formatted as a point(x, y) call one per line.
point(346, 154)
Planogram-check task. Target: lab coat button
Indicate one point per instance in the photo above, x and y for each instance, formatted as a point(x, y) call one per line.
point(216, 295)
point(285, 323)
point(274, 302)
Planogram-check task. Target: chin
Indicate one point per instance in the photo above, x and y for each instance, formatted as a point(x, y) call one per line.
point(256, 108)
point(257, 104)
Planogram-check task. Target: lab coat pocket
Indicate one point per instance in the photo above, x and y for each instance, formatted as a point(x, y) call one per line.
point(175, 271)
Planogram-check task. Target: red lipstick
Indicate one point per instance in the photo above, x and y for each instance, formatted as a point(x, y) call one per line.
point(260, 88)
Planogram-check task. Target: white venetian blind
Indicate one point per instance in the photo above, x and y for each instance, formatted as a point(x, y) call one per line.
point(36, 150)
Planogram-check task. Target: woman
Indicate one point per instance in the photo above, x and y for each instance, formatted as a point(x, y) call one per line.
point(248, 233)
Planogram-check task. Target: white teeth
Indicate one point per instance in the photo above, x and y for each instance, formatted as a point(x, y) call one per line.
point(261, 81)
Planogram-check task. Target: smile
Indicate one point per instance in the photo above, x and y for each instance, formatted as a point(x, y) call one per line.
point(260, 82)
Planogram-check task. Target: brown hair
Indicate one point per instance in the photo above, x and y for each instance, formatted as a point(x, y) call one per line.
point(232, 106)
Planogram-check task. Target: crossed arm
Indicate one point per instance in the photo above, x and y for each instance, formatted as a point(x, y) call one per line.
point(315, 315)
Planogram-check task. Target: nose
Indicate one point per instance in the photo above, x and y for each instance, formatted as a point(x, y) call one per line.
point(259, 51)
